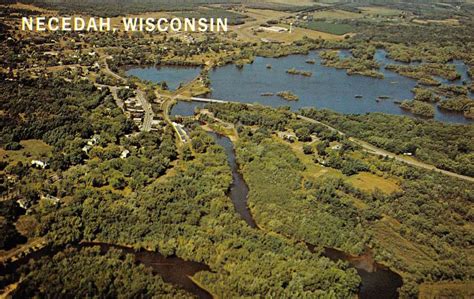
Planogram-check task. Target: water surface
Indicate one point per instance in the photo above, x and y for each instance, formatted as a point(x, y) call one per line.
point(172, 75)
point(239, 189)
point(172, 269)
point(328, 87)
point(377, 281)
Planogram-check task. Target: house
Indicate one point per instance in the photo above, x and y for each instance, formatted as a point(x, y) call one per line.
point(288, 137)
point(86, 148)
point(276, 29)
point(39, 164)
point(94, 140)
point(125, 153)
point(22, 202)
point(50, 198)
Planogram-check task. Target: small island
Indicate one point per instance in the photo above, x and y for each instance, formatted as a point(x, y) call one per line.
point(288, 95)
point(294, 71)
point(418, 108)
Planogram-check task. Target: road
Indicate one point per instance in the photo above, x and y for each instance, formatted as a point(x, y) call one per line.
point(109, 72)
point(378, 151)
point(113, 90)
point(149, 114)
point(141, 97)
point(194, 99)
point(368, 147)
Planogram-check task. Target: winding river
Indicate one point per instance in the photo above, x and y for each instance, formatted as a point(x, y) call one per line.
point(377, 280)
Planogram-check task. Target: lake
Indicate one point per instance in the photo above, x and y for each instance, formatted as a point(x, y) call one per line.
point(172, 75)
point(328, 87)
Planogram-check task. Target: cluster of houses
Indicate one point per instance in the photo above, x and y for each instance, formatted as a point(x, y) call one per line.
point(134, 109)
point(93, 141)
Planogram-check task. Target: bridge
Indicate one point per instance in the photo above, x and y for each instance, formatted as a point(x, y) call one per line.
point(204, 100)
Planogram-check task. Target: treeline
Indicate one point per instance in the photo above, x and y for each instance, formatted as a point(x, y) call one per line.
point(189, 215)
point(89, 273)
point(446, 146)
point(93, 147)
point(430, 238)
point(112, 8)
point(57, 111)
point(9, 213)
point(320, 216)
point(257, 115)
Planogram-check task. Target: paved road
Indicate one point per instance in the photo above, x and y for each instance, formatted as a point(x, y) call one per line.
point(373, 149)
point(149, 114)
point(113, 90)
point(194, 99)
point(109, 71)
point(378, 151)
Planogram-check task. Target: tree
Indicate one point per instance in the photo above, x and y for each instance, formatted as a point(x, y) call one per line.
point(303, 134)
point(307, 149)
point(118, 182)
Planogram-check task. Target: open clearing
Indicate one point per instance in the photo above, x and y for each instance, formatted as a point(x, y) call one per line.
point(260, 16)
point(447, 290)
point(370, 182)
point(381, 11)
point(337, 15)
point(32, 149)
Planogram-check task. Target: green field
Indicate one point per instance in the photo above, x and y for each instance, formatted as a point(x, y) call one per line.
point(234, 18)
point(338, 29)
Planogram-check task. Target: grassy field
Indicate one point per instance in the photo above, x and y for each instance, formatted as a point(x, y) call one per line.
point(447, 290)
point(337, 15)
point(337, 29)
point(369, 182)
point(387, 233)
point(32, 149)
point(246, 33)
point(232, 17)
point(381, 11)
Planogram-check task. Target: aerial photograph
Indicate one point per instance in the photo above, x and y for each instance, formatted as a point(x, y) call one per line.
point(237, 149)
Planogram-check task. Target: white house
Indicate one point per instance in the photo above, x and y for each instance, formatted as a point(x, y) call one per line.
point(39, 164)
point(125, 153)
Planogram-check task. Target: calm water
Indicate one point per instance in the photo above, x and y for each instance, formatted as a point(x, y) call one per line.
point(239, 189)
point(378, 282)
point(328, 87)
point(172, 75)
point(184, 108)
point(172, 269)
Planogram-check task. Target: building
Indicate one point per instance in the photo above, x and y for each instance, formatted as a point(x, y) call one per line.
point(125, 153)
point(39, 164)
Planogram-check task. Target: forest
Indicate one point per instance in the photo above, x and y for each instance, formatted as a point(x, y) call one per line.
point(191, 216)
point(447, 146)
point(328, 210)
point(87, 272)
point(76, 169)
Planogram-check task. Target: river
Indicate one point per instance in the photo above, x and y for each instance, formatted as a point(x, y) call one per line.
point(172, 269)
point(378, 281)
